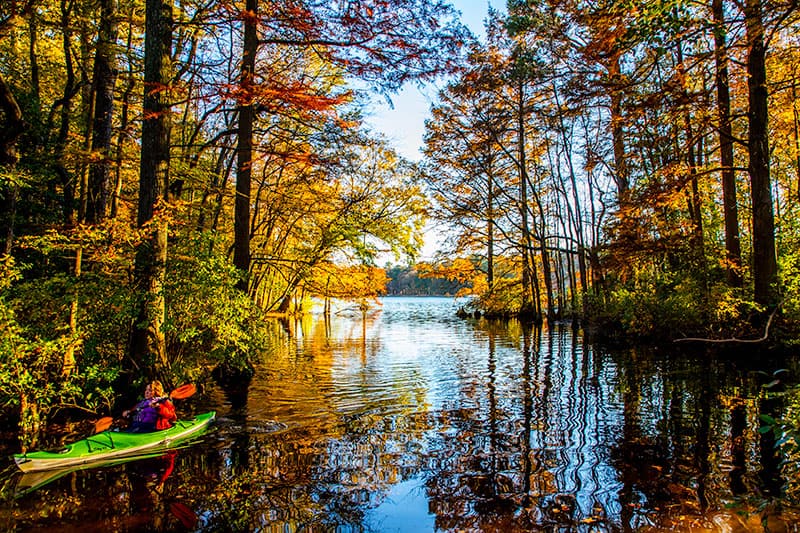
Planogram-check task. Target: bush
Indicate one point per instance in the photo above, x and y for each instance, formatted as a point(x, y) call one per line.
point(504, 299)
point(35, 381)
point(661, 309)
point(210, 321)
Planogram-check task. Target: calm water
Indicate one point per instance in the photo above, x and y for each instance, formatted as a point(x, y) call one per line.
point(410, 419)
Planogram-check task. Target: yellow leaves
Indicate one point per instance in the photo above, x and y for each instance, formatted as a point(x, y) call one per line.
point(106, 246)
point(8, 271)
point(480, 284)
point(459, 269)
point(347, 282)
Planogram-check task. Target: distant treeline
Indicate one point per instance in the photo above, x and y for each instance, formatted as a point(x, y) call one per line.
point(405, 280)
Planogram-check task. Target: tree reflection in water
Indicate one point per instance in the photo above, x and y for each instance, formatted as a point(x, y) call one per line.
point(513, 429)
point(410, 419)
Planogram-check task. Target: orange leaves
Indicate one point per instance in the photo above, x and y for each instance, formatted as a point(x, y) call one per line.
point(301, 98)
point(346, 124)
point(459, 269)
point(273, 94)
point(348, 282)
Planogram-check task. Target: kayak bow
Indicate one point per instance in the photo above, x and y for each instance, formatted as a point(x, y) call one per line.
point(112, 444)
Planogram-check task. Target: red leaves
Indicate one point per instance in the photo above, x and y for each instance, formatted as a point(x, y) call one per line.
point(274, 95)
point(157, 88)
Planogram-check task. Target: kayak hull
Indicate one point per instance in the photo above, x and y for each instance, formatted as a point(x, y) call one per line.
point(33, 480)
point(113, 444)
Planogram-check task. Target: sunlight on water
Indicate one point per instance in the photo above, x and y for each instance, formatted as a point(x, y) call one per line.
point(409, 419)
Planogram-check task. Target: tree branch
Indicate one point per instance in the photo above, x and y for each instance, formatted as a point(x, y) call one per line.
point(764, 337)
point(13, 124)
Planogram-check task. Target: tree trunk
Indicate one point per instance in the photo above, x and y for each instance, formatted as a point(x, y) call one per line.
point(68, 363)
point(147, 338)
point(103, 82)
point(528, 279)
point(123, 135)
point(796, 122)
point(244, 170)
point(697, 241)
point(733, 247)
point(11, 129)
point(547, 266)
point(765, 266)
point(87, 48)
point(490, 230)
point(594, 268)
point(70, 90)
point(617, 132)
point(561, 281)
point(33, 57)
point(577, 219)
point(285, 304)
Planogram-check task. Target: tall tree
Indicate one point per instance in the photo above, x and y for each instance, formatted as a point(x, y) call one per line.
point(465, 173)
point(607, 25)
point(385, 44)
point(529, 303)
point(103, 81)
point(148, 343)
point(65, 103)
point(244, 168)
point(765, 265)
point(733, 247)
point(13, 126)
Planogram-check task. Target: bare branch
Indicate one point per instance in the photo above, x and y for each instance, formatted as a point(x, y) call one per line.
point(763, 338)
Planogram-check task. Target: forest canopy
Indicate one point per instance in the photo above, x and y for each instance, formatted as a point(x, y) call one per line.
point(171, 174)
point(631, 164)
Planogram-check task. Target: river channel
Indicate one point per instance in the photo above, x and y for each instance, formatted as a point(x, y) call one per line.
point(411, 419)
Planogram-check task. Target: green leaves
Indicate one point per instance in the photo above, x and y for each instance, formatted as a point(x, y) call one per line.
point(209, 320)
point(770, 424)
point(31, 379)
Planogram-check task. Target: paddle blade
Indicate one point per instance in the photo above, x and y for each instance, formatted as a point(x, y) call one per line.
point(184, 391)
point(103, 424)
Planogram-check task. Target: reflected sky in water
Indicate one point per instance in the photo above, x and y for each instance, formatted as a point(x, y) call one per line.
point(407, 418)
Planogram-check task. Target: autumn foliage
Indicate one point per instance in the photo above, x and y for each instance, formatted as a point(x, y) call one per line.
point(622, 165)
point(171, 172)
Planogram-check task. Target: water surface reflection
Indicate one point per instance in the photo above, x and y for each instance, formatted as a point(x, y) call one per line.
point(409, 419)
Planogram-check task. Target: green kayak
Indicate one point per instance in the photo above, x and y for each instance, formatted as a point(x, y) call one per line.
point(113, 444)
point(34, 480)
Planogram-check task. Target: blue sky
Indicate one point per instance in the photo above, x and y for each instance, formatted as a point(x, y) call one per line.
point(404, 125)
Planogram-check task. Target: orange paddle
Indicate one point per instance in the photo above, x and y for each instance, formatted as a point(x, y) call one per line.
point(183, 392)
point(103, 424)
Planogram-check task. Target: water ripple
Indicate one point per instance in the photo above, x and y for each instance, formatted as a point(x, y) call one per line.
point(408, 419)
